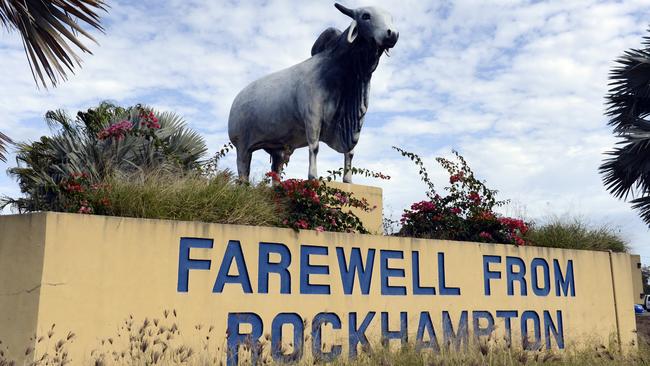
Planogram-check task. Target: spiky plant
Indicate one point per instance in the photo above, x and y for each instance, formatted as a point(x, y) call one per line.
point(627, 171)
point(76, 148)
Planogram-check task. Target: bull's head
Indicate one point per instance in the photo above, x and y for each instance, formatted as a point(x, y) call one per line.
point(372, 24)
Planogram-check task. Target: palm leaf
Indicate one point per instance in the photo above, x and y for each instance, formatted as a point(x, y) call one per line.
point(47, 28)
point(627, 170)
point(4, 141)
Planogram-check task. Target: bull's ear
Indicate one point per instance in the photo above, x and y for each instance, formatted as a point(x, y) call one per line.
point(353, 32)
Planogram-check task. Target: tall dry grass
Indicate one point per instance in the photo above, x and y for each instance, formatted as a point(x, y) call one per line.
point(575, 233)
point(192, 197)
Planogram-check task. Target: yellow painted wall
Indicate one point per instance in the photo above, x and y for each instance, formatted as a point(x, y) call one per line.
point(94, 272)
point(637, 278)
point(373, 220)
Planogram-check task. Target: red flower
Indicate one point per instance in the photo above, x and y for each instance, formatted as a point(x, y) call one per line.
point(455, 210)
point(474, 197)
point(274, 176)
point(456, 178)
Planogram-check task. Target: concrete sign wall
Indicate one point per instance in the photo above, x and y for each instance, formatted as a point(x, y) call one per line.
point(290, 295)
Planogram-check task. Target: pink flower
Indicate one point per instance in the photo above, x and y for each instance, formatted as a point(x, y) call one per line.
point(423, 206)
point(320, 229)
point(485, 235)
point(343, 199)
point(117, 130)
point(301, 224)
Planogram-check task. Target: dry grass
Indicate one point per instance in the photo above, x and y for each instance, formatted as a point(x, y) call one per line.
point(217, 199)
point(574, 233)
point(159, 341)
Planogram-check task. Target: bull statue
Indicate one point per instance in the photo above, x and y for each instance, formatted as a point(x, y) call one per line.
point(323, 98)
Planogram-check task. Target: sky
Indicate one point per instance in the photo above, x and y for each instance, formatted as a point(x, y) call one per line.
point(517, 87)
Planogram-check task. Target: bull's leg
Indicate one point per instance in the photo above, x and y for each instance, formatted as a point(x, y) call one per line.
point(243, 164)
point(277, 160)
point(313, 153)
point(312, 127)
point(347, 166)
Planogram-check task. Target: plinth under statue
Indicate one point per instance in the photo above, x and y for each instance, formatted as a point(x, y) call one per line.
point(323, 98)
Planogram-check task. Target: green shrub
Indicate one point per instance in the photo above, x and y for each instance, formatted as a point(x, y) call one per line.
point(574, 233)
point(191, 197)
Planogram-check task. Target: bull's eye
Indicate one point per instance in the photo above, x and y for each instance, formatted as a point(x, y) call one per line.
point(365, 16)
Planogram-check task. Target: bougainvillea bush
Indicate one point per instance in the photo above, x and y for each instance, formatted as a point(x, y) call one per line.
point(313, 204)
point(464, 211)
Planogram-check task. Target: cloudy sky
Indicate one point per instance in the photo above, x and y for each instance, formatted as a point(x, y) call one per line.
point(517, 87)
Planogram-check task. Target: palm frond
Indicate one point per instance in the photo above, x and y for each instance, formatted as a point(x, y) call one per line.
point(48, 29)
point(4, 141)
point(627, 169)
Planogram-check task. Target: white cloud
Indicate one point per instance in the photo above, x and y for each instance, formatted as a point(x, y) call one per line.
point(517, 87)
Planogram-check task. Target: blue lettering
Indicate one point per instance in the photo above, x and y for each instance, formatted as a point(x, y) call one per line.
point(276, 337)
point(356, 266)
point(513, 276)
point(307, 269)
point(558, 331)
point(358, 335)
point(236, 339)
point(387, 272)
point(444, 290)
point(185, 263)
point(536, 344)
point(546, 289)
point(417, 288)
point(317, 336)
point(387, 335)
point(489, 275)
point(564, 283)
point(265, 267)
point(233, 252)
point(476, 320)
point(426, 325)
point(455, 338)
point(507, 315)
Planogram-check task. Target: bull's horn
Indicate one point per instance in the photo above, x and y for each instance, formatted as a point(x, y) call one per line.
point(347, 11)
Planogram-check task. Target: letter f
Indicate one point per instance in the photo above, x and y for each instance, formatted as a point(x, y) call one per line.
point(185, 263)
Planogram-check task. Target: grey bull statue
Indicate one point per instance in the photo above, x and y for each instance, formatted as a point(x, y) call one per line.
point(323, 98)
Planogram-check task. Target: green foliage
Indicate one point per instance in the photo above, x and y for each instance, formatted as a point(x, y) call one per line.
point(313, 204)
point(576, 234)
point(100, 144)
point(191, 197)
point(465, 212)
point(627, 171)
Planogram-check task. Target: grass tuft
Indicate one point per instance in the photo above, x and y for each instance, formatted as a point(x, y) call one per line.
point(574, 233)
point(192, 198)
